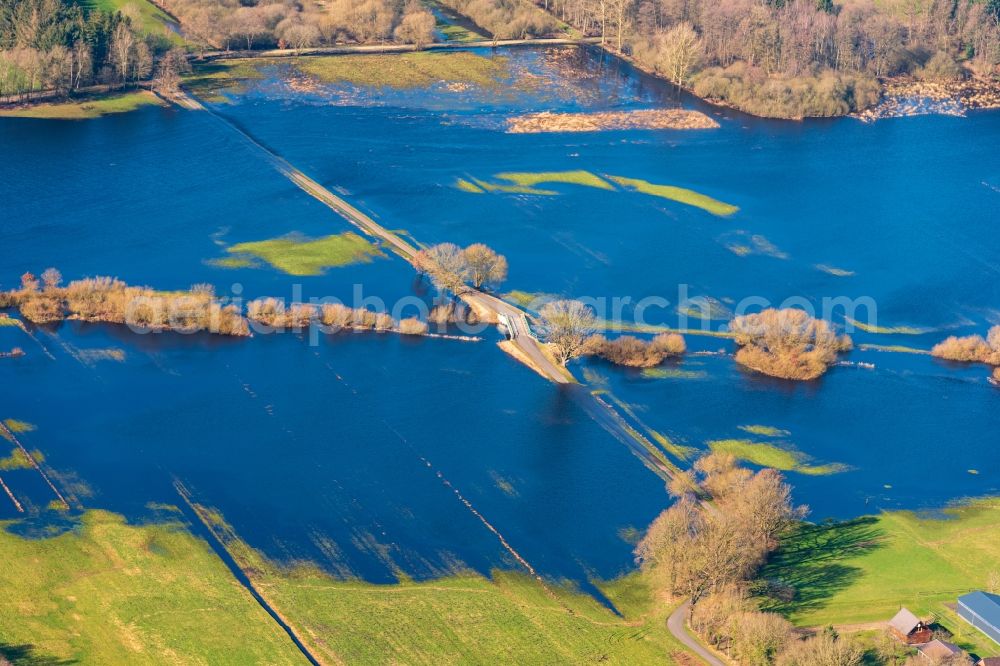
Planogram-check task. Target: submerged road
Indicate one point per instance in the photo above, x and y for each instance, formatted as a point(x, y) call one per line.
point(527, 348)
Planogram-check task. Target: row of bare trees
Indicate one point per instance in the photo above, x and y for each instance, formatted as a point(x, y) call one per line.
point(226, 24)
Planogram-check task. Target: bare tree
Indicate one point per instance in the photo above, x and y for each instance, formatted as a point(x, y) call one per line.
point(484, 266)
point(567, 325)
point(51, 278)
point(681, 50)
point(120, 50)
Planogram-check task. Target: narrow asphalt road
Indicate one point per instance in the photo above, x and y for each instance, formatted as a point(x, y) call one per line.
point(677, 626)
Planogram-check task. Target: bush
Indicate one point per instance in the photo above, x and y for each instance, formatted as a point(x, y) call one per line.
point(970, 348)
point(787, 343)
point(412, 326)
point(941, 67)
point(42, 309)
point(824, 94)
point(633, 352)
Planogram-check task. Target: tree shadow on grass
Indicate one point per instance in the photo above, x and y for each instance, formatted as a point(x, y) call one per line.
point(812, 560)
point(27, 654)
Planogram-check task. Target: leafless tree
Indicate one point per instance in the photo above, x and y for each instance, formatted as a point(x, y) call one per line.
point(567, 325)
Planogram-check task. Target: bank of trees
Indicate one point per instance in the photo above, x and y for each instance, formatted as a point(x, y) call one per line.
point(232, 24)
point(633, 352)
point(709, 545)
point(793, 58)
point(56, 45)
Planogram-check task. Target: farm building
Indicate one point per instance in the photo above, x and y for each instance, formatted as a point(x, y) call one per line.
point(982, 611)
point(938, 650)
point(908, 628)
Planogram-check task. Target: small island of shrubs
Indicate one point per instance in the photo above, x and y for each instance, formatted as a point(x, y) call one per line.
point(106, 299)
point(787, 343)
point(973, 349)
point(632, 352)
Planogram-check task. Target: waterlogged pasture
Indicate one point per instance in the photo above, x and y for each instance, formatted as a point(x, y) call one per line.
point(356, 454)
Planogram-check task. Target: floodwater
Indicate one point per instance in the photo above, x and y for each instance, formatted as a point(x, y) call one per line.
point(373, 454)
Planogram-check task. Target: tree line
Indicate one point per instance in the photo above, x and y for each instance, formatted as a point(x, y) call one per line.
point(227, 24)
point(57, 45)
point(785, 58)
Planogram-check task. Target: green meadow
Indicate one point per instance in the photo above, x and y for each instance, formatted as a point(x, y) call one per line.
point(765, 454)
point(863, 570)
point(464, 617)
point(94, 589)
point(679, 194)
point(152, 19)
point(408, 70)
point(84, 109)
point(303, 256)
point(209, 81)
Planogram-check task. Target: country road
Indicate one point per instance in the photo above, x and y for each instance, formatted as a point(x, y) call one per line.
point(678, 627)
point(528, 349)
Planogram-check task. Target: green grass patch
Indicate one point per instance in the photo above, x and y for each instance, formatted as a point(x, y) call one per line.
point(6, 321)
point(511, 188)
point(16, 426)
point(771, 455)
point(85, 109)
point(106, 592)
point(302, 256)
point(233, 262)
point(863, 570)
point(152, 19)
point(653, 329)
point(465, 186)
point(764, 430)
point(679, 451)
point(673, 373)
point(408, 70)
point(209, 81)
point(464, 617)
point(525, 299)
point(16, 460)
point(901, 349)
point(679, 194)
point(888, 330)
point(578, 177)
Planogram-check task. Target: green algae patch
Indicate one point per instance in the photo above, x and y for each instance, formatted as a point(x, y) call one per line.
point(673, 373)
point(578, 177)
point(6, 321)
point(833, 270)
point(94, 589)
point(408, 70)
point(86, 109)
point(678, 194)
point(764, 430)
point(771, 455)
point(297, 255)
point(888, 330)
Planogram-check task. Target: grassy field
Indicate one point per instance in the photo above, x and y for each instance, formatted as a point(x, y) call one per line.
point(579, 177)
point(297, 256)
point(84, 109)
point(152, 19)
point(863, 570)
point(679, 194)
point(766, 454)
point(208, 81)
point(463, 618)
point(408, 70)
point(106, 592)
